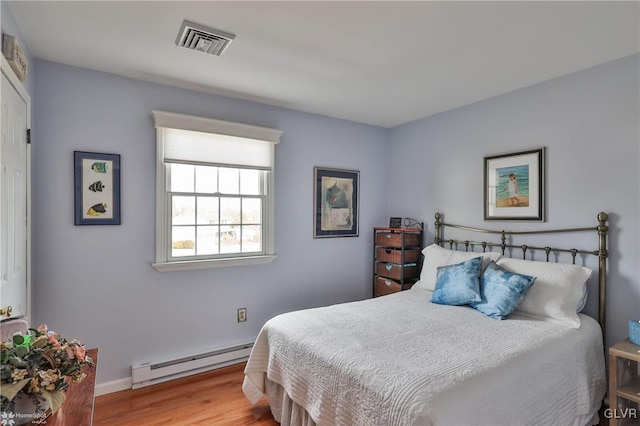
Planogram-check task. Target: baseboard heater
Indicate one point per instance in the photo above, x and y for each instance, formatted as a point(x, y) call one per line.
point(149, 374)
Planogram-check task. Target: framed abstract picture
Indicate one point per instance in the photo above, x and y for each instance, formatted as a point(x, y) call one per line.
point(514, 186)
point(97, 188)
point(335, 202)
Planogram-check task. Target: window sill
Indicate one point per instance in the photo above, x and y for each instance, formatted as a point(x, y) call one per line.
point(209, 264)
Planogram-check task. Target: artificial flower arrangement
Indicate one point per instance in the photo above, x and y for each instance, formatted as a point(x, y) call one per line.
point(40, 365)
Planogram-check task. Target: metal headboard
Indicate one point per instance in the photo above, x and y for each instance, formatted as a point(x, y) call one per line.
point(601, 229)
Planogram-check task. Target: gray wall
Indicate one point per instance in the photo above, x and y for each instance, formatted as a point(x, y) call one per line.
point(589, 122)
point(97, 283)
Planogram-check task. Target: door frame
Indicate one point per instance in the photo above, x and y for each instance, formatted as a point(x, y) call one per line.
point(22, 92)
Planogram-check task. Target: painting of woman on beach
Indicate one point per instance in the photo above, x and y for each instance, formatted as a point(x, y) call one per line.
point(513, 186)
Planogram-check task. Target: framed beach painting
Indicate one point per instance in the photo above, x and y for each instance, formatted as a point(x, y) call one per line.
point(514, 186)
point(97, 188)
point(335, 202)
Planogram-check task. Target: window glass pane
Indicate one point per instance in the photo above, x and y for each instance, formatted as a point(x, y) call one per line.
point(183, 241)
point(229, 180)
point(208, 210)
point(182, 177)
point(208, 240)
point(206, 179)
point(251, 210)
point(183, 210)
point(250, 182)
point(229, 239)
point(251, 238)
point(229, 210)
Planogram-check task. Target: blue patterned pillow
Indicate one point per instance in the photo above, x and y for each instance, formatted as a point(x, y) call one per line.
point(458, 284)
point(501, 291)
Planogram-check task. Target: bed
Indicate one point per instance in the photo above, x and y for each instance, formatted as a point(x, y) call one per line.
point(403, 359)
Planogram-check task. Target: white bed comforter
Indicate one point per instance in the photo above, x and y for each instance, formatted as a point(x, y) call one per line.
point(401, 360)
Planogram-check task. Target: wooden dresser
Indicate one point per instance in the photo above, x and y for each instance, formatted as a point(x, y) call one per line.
point(396, 259)
point(77, 409)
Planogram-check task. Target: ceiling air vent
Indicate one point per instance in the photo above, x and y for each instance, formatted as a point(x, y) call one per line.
point(203, 39)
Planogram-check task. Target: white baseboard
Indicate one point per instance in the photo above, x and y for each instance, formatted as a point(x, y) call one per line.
point(113, 386)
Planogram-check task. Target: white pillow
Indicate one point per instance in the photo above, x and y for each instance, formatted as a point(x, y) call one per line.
point(583, 300)
point(557, 293)
point(436, 256)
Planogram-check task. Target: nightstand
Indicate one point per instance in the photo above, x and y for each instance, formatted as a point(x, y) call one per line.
point(396, 259)
point(624, 384)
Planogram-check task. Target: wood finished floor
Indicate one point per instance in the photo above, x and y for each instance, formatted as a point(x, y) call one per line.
point(212, 398)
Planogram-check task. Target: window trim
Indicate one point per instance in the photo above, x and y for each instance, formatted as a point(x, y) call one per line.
point(187, 265)
point(165, 119)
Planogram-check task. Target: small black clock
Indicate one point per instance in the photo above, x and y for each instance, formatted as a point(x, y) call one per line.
point(395, 222)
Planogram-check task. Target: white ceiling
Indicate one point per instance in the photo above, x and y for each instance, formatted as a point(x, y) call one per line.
point(382, 63)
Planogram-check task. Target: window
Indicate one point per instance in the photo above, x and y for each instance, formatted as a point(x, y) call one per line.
point(214, 185)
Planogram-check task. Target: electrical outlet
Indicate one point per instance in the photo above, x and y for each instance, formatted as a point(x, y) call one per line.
point(242, 314)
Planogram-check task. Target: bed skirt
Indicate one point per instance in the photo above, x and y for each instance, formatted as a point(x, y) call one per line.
point(285, 411)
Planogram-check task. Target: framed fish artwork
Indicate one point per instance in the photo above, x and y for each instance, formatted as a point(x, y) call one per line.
point(97, 188)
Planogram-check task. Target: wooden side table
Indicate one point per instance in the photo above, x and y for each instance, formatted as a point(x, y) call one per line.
point(77, 409)
point(396, 259)
point(624, 384)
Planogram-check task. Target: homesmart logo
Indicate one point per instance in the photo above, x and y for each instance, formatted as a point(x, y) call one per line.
point(9, 419)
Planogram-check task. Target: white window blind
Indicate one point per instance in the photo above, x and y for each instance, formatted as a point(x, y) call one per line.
point(185, 145)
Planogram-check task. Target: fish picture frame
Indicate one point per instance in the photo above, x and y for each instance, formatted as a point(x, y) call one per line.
point(97, 188)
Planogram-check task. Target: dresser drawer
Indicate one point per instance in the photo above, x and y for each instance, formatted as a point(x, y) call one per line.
point(394, 255)
point(395, 271)
point(394, 239)
point(383, 286)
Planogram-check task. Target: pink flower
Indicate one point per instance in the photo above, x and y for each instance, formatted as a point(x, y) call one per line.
point(80, 353)
point(43, 328)
point(76, 351)
point(53, 339)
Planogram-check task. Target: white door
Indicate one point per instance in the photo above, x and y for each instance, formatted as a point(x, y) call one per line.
point(13, 202)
